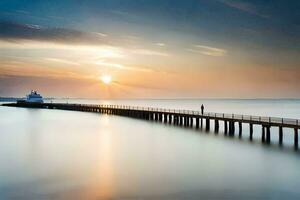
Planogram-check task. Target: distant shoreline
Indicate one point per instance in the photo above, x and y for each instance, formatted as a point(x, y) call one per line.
point(14, 99)
point(9, 99)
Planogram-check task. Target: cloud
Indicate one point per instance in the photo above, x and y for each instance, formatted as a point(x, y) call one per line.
point(148, 52)
point(244, 6)
point(37, 71)
point(15, 31)
point(34, 26)
point(108, 64)
point(207, 50)
point(63, 61)
point(22, 12)
point(160, 44)
point(101, 34)
point(122, 67)
point(16, 34)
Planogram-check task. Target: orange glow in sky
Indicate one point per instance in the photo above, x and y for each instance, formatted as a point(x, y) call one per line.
point(170, 52)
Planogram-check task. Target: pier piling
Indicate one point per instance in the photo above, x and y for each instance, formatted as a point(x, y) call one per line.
point(251, 131)
point(240, 129)
point(207, 126)
point(263, 134)
point(216, 126)
point(183, 118)
point(296, 138)
point(197, 123)
point(280, 135)
point(225, 127)
point(268, 135)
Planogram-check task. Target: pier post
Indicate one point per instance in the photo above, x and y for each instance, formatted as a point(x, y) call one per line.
point(263, 134)
point(165, 118)
point(197, 122)
point(268, 136)
point(231, 128)
point(280, 135)
point(251, 131)
point(225, 127)
point(216, 126)
point(180, 120)
point(201, 123)
point(187, 121)
point(146, 115)
point(175, 120)
point(296, 138)
point(240, 129)
point(151, 116)
point(207, 127)
point(191, 121)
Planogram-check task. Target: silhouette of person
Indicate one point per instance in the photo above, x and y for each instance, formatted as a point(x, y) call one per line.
point(202, 109)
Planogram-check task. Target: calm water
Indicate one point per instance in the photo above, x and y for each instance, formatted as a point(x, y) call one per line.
point(53, 154)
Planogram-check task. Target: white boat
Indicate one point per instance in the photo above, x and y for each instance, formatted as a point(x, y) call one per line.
point(34, 97)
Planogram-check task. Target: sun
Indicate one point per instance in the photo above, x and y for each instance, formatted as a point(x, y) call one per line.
point(106, 79)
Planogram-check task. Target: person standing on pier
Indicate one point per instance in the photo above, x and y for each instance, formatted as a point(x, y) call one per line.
point(202, 109)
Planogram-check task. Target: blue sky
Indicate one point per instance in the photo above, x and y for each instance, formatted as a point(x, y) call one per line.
point(204, 35)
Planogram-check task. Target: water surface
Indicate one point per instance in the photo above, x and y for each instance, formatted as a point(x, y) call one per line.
point(54, 154)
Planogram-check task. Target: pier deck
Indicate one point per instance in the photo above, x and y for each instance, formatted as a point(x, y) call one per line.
point(186, 118)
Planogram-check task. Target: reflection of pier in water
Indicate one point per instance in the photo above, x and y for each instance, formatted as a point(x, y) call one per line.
point(184, 118)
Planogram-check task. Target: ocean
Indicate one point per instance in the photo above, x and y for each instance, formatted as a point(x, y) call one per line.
point(56, 154)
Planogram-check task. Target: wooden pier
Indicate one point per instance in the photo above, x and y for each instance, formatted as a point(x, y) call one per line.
point(186, 118)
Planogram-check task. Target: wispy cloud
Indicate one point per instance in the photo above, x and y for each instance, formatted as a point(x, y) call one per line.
point(124, 14)
point(132, 38)
point(13, 69)
point(207, 50)
point(122, 67)
point(160, 44)
point(34, 26)
point(148, 52)
point(244, 6)
point(23, 12)
point(67, 38)
point(101, 34)
point(109, 64)
point(63, 61)
point(15, 31)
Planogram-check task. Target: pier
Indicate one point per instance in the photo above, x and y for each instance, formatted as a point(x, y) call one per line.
point(233, 123)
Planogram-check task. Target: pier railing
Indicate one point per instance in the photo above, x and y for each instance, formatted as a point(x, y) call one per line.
point(186, 118)
point(250, 118)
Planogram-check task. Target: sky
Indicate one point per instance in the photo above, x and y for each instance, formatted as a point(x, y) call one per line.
point(150, 48)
